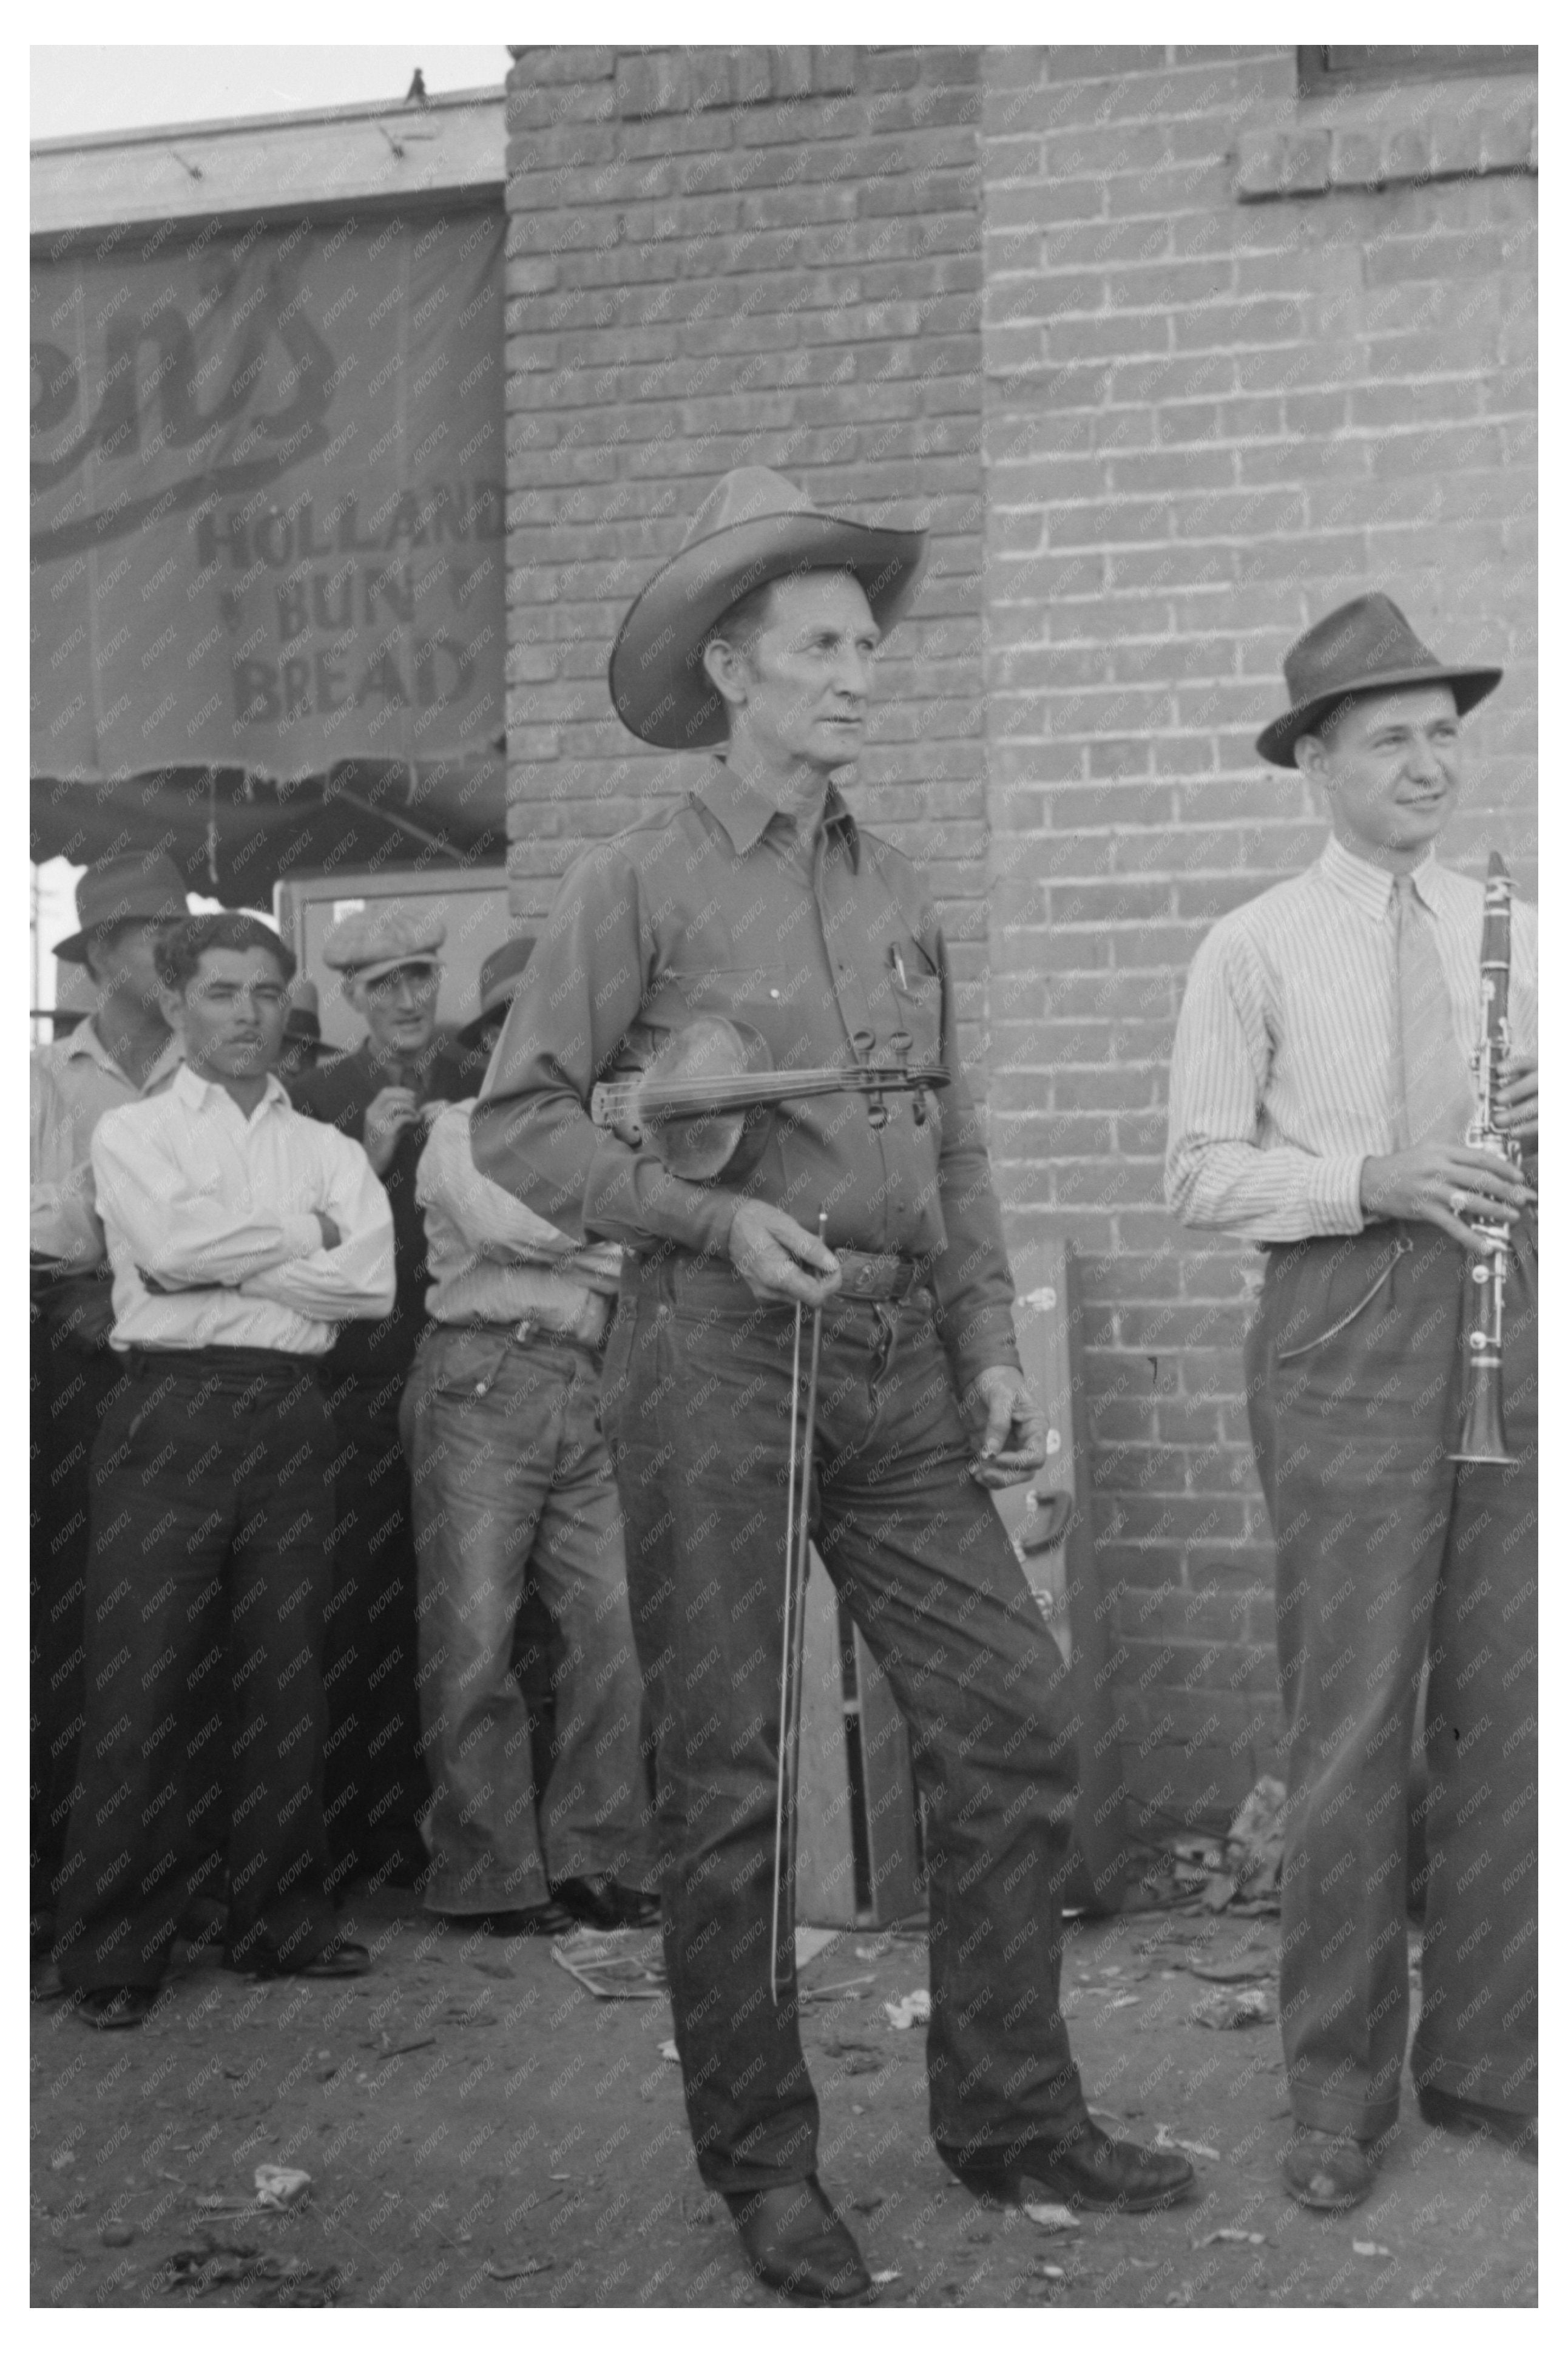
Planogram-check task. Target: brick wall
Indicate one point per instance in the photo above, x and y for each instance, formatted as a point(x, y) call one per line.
point(721, 258)
point(1246, 354)
point(1171, 360)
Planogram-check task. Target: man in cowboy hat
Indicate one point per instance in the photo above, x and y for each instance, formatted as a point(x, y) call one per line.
point(382, 1095)
point(1318, 1100)
point(514, 1498)
point(760, 898)
point(123, 1052)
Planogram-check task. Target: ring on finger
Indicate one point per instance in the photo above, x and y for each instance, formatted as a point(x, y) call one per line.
point(1457, 1203)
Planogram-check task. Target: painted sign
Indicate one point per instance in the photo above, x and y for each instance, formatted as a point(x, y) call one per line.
point(268, 501)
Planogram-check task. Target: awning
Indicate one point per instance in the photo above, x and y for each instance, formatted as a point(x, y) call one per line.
point(267, 541)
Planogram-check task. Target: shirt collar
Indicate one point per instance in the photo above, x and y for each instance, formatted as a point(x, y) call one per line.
point(201, 1094)
point(1371, 887)
point(746, 815)
point(84, 1044)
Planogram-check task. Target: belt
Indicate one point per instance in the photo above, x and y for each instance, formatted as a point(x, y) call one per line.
point(596, 1319)
point(239, 1366)
point(870, 1274)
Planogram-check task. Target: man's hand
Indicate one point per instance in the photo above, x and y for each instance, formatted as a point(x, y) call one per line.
point(331, 1237)
point(1011, 1414)
point(1519, 1102)
point(777, 1258)
point(1442, 1184)
point(388, 1113)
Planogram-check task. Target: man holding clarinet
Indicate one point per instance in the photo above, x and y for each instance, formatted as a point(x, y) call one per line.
point(1354, 1090)
point(760, 910)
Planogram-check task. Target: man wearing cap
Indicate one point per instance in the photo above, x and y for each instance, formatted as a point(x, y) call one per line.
point(513, 1492)
point(760, 898)
point(124, 1051)
point(1319, 1099)
point(381, 1094)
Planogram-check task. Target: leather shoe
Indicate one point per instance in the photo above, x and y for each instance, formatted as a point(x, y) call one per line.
point(795, 2241)
point(109, 2007)
point(603, 1902)
point(1330, 2173)
point(1085, 2167)
point(1451, 2114)
point(547, 1919)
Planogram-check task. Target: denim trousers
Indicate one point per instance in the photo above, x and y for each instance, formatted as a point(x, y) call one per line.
point(696, 1411)
point(512, 1489)
point(208, 1573)
point(1389, 1555)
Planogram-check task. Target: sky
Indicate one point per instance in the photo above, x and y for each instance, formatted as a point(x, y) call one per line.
point(91, 88)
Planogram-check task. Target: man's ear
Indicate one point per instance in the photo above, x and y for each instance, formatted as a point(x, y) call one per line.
point(172, 1005)
point(724, 665)
point(352, 989)
point(1311, 758)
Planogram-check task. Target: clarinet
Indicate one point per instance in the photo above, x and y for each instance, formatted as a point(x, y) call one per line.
point(1482, 1438)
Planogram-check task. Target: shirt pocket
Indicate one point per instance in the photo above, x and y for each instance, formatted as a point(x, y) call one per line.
point(915, 1001)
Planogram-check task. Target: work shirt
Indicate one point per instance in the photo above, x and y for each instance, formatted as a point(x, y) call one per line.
point(1281, 1079)
point(719, 907)
point(493, 1262)
point(221, 1210)
point(71, 1084)
point(341, 1092)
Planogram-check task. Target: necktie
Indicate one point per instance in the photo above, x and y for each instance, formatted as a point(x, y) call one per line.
point(1432, 1090)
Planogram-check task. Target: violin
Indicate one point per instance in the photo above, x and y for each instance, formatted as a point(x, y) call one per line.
point(705, 1101)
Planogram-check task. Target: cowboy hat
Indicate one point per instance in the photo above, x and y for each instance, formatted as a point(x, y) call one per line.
point(500, 977)
point(132, 888)
point(753, 527)
point(1366, 646)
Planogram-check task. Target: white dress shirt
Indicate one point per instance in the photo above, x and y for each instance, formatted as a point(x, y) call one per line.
point(71, 1085)
point(220, 1209)
point(1282, 1074)
point(491, 1261)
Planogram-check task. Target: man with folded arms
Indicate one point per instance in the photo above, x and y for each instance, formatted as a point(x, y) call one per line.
point(1320, 1096)
point(512, 1490)
point(240, 1236)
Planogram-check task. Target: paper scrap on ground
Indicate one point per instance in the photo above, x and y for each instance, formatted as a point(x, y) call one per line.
point(1249, 2006)
point(1165, 2139)
point(1231, 2238)
point(281, 2186)
point(913, 2010)
point(1053, 2218)
point(1370, 2247)
point(498, 2271)
point(615, 1964)
point(881, 2279)
point(809, 1942)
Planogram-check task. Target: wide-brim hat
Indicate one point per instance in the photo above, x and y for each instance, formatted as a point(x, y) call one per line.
point(753, 527)
point(500, 977)
point(130, 889)
point(1366, 646)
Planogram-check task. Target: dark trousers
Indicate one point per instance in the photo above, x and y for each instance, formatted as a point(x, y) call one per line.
point(376, 1785)
point(697, 1413)
point(72, 1385)
point(1389, 1555)
point(210, 1511)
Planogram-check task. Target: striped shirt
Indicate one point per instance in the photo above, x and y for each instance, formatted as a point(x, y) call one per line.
point(1282, 1077)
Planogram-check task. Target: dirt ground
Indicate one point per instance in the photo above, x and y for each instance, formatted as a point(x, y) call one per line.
point(479, 2131)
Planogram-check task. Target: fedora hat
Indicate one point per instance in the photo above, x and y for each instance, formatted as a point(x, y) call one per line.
point(753, 527)
point(303, 1026)
point(130, 889)
point(500, 977)
point(1366, 646)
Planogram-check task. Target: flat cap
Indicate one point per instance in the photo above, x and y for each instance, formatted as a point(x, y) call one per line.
point(378, 939)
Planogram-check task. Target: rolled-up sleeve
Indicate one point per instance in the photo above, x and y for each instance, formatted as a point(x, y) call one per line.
point(354, 1280)
point(530, 1130)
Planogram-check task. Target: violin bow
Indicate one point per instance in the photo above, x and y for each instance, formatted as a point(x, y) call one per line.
point(798, 1565)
